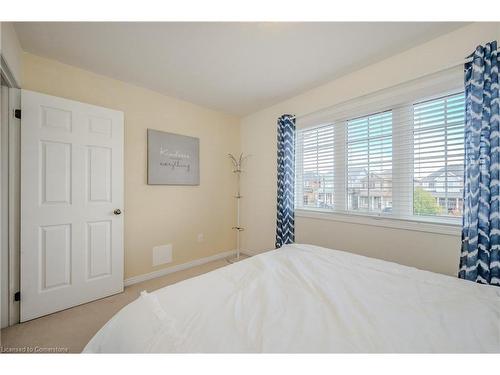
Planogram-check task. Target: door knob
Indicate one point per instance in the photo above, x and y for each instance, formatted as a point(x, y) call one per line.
point(117, 211)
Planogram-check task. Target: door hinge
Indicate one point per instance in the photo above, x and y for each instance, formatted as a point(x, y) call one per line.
point(17, 113)
point(17, 296)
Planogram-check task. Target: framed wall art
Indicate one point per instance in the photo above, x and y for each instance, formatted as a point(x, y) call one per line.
point(173, 159)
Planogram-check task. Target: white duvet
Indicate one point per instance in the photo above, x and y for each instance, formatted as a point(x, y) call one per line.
point(304, 298)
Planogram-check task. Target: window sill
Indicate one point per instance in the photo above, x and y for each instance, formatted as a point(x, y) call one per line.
point(450, 229)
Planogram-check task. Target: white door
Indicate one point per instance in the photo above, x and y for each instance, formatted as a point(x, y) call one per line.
point(71, 203)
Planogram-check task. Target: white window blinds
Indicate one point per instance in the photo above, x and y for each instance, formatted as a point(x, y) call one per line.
point(404, 160)
point(369, 163)
point(316, 176)
point(439, 156)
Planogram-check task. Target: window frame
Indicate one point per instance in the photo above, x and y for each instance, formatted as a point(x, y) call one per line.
point(389, 102)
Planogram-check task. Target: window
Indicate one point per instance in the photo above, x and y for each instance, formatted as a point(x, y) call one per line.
point(369, 163)
point(315, 156)
point(403, 162)
point(438, 134)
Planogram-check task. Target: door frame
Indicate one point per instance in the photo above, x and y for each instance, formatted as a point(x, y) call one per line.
point(11, 229)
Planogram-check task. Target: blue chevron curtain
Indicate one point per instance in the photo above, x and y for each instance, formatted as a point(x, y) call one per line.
point(480, 258)
point(285, 218)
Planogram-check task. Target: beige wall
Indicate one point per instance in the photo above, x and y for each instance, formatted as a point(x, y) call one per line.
point(429, 251)
point(164, 214)
point(156, 215)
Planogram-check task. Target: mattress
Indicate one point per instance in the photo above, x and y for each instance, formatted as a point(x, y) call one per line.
point(304, 298)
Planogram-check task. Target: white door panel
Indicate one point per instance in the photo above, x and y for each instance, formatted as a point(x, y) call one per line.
point(71, 183)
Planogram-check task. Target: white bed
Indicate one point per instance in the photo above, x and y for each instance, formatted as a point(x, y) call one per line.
point(304, 298)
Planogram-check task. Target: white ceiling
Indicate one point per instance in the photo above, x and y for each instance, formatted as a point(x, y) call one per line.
point(233, 67)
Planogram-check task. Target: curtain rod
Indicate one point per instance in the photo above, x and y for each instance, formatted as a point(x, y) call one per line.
point(447, 67)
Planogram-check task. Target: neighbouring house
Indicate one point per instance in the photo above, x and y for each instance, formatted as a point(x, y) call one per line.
point(446, 186)
point(372, 191)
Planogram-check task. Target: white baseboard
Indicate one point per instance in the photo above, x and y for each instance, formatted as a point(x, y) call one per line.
point(176, 268)
point(252, 252)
